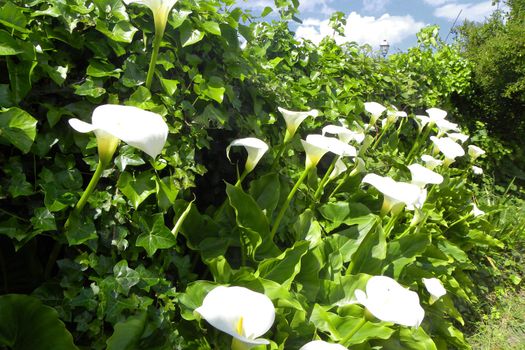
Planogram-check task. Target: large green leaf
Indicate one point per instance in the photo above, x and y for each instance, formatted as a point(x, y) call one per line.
point(254, 224)
point(286, 266)
point(27, 324)
point(126, 334)
point(369, 256)
point(18, 127)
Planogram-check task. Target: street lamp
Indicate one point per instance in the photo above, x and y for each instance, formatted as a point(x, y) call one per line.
point(384, 48)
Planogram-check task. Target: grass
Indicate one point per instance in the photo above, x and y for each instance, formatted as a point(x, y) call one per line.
point(504, 327)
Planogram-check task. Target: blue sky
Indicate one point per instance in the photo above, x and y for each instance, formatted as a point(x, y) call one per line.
point(372, 21)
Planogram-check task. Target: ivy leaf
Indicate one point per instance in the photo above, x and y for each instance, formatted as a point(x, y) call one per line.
point(189, 35)
point(12, 16)
point(125, 276)
point(136, 188)
point(157, 237)
point(212, 27)
point(18, 127)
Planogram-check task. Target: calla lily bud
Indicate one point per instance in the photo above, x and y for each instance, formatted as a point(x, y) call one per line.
point(316, 146)
point(293, 119)
point(421, 121)
point(340, 167)
point(474, 152)
point(244, 314)
point(256, 149)
point(392, 115)
point(322, 345)
point(431, 162)
point(359, 167)
point(477, 170)
point(396, 194)
point(141, 129)
point(375, 109)
point(450, 149)
point(422, 176)
point(435, 288)
point(161, 10)
point(390, 302)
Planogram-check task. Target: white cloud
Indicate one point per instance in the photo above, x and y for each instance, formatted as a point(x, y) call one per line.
point(375, 5)
point(470, 11)
point(363, 29)
point(318, 6)
point(436, 2)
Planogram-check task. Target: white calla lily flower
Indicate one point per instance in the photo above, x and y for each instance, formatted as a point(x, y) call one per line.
point(256, 149)
point(293, 119)
point(422, 176)
point(450, 149)
point(477, 170)
point(457, 136)
point(475, 152)
point(322, 345)
point(431, 162)
point(476, 211)
point(396, 194)
point(244, 314)
point(142, 129)
point(316, 146)
point(343, 134)
point(375, 109)
point(359, 168)
point(436, 114)
point(161, 10)
point(422, 121)
point(435, 288)
point(339, 168)
point(390, 302)
point(445, 126)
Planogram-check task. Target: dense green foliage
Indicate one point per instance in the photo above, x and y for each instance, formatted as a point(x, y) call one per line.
point(124, 275)
point(496, 51)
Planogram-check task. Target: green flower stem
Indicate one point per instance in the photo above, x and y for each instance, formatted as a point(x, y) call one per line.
point(279, 154)
point(238, 345)
point(354, 330)
point(383, 132)
point(416, 144)
point(325, 179)
point(91, 186)
point(287, 202)
point(153, 61)
point(241, 178)
point(390, 224)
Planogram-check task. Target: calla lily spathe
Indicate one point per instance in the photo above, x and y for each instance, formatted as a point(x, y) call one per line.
point(422, 176)
point(475, 152)
point(240, 312)
point(316, 146)
point(161, 10)
point(390, 302)
point(457, 136)
point(142, 129)
point(375, 109)
point(445, 126)
point(476, 211)
point(396, 194)
point(256, 149)
point(436, 114)
point(344, 134)
point(435, 288)
point(321, 345)
point(477, 170)
point(450, 149)
point(293, 119)
point(431, 162)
